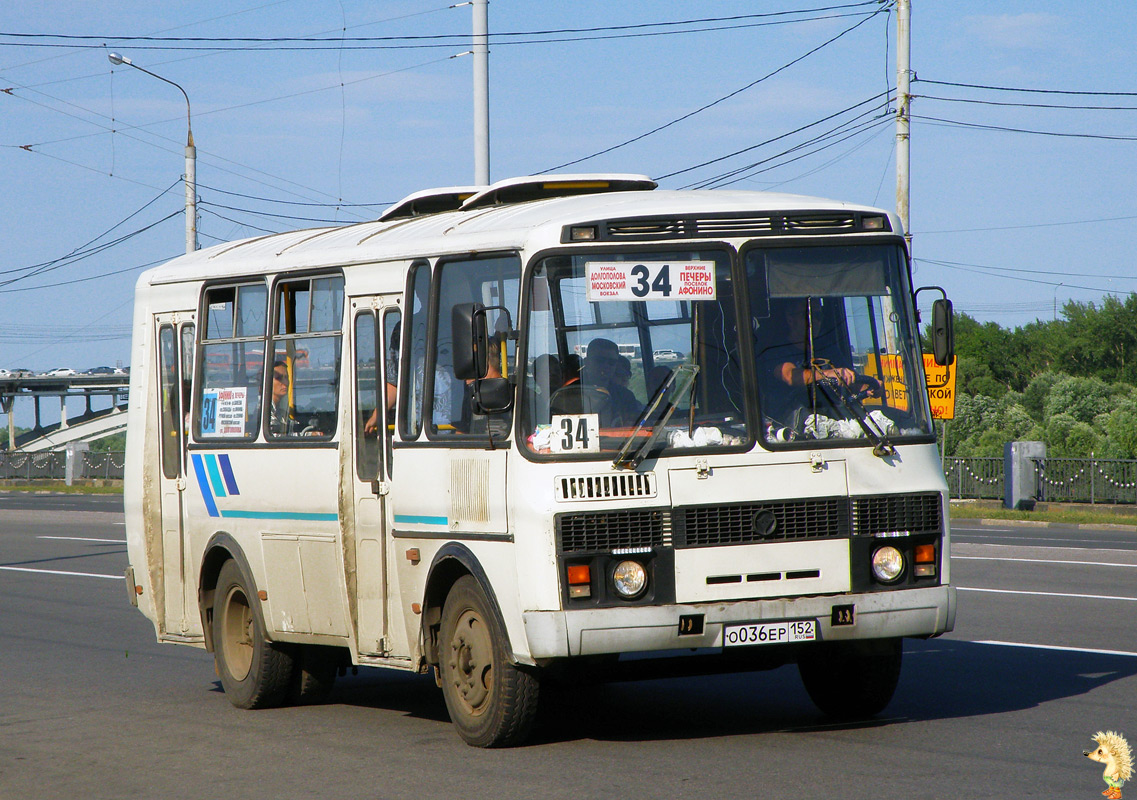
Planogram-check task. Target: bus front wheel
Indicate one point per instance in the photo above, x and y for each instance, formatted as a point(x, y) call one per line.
point(491, 701)
point(254, 672)
point(852, 679)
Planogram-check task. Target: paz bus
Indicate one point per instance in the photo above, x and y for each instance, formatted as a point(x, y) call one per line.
point(380, 445)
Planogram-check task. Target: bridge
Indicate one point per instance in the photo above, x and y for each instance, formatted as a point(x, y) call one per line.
point(90, 425)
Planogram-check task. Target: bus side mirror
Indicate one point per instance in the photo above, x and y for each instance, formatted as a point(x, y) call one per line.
point(943, 334)
point(471, 340)
point(943, 322)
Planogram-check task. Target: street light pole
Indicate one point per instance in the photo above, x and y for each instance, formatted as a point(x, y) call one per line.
point(191, 155)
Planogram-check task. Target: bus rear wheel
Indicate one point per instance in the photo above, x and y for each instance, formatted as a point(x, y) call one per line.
point(492, 702)
point(854, 679)
point(254, 672)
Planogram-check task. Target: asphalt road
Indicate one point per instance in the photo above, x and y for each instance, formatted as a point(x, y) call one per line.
point(1044, 655)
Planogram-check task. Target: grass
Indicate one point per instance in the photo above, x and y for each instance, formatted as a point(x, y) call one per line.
point(59, 487)
point(1051, 512)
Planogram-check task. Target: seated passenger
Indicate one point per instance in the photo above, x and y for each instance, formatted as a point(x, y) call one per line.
point(590, 393)
point(280, 420)
point(623, 400)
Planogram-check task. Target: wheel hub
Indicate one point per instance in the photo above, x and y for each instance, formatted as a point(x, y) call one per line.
point(471, 661)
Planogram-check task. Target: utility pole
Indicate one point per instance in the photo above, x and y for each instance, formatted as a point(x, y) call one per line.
point(481, 93)
point(903, 124)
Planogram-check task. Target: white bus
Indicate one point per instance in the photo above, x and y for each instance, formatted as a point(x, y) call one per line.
point(378, 445)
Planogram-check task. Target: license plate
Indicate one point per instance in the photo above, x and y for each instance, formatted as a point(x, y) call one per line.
point(748, 634)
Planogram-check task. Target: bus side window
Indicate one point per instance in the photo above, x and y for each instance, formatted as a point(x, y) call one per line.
point(171, 400)
point(413, 369)
point(367, 405)
point(227, 401)
point(306, 351)
point(493, 282)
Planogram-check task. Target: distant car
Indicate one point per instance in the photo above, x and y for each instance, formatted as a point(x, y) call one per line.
point(61, 372)
point(666, 355)
point(100, 371)
point(21, 372)
point(5, 373)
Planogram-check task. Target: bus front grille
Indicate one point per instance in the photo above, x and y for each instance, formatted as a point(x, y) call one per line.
point(745, 523)
point(609, 486)
point(606, 531)
point(897, 514)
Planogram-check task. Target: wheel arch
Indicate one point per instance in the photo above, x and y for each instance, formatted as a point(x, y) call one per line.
point(451, 562)
point(223, 547)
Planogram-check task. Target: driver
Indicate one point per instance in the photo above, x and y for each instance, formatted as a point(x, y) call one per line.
point(788, 361)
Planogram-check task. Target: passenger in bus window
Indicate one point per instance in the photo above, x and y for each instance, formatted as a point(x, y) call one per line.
point(590, 394)
point(391, 367)
point(280, 421)
point(623, 401)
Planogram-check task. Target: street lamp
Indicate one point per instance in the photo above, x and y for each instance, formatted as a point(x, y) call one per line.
point(191, 155)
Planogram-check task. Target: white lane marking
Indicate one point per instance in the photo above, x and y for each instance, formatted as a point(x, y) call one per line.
point(61, 572)
point(1041, 542)
point(1046, 594)
point(1059, 647)
point(83, 539)
point(1042, 561)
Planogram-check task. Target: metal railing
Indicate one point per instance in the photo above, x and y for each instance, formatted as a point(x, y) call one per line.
point(974, 478)
point(1086, 480)
point(52, 465)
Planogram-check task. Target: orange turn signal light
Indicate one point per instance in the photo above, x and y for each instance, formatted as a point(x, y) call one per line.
point(925, 554)
point(578, 574)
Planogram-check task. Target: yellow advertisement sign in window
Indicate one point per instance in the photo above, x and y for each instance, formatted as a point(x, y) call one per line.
point(889, 370)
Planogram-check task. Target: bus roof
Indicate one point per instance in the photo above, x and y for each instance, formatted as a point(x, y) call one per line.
point(629, 215)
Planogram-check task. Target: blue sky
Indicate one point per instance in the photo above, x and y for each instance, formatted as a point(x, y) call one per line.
point(1012, 224)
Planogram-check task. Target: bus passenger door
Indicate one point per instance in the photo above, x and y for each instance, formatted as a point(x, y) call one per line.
point(175, 367)
point(375, 333)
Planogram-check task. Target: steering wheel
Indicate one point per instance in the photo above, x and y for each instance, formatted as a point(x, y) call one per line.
point(578, 399)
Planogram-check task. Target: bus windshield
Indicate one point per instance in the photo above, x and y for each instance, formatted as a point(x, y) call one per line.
point(835, 347)
point(833, 351)
point(620, 360)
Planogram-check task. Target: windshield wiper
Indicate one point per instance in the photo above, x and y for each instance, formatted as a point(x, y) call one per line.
point(839, 393)
point(677, 385)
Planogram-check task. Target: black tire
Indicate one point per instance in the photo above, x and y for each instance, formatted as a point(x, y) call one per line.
point(313, 676)
point(254, 672)
point(851, 680)
point(492, 702)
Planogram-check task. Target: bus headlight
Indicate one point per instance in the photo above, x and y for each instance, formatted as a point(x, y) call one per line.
point(887, 564)
point(630, 579)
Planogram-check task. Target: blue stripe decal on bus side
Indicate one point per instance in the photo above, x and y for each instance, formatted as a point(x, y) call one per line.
point(214, 476)
point(297, 515)
point(411, 519)
point(203, 485)
point(227, 471)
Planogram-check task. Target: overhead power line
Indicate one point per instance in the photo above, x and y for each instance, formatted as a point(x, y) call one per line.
point(450, 38)
point(917, 79)
point(1006, 104)
point(713, 103)
point(777, 138)
point(1060, 134)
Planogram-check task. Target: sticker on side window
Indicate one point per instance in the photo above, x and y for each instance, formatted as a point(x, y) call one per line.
point(576, 433)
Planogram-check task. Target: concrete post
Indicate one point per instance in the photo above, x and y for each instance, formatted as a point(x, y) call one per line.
point(1020, 478)
point(75, 462)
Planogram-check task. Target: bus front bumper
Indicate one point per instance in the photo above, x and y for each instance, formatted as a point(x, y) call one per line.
point(909, 612)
